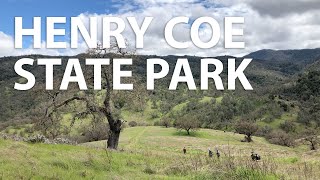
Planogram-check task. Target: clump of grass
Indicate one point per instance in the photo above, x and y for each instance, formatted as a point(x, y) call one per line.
point(244, 173)
point(130, 163)
point(149, 170)
point(89, 160)
point(230, 167)
point(293, 160)
point(84, 174)
point(60, 164)
point(175, 170)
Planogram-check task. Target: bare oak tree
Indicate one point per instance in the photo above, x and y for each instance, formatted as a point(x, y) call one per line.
point(311, 135)
point(46, 116)
point(110, 107)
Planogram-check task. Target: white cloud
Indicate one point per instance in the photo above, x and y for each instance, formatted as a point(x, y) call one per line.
point(294, 31)
point(6, 44)
point(267, 26)
point(7, 48)
point(278, 8)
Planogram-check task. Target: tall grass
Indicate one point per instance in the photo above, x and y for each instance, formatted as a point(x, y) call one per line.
point(144, 158)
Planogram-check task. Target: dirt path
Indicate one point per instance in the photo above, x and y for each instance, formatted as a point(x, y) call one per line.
point(135, 139)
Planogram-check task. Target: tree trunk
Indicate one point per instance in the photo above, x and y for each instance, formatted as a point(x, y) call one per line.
point(113, 139)
point(188, 131)
point(313, 146)
point(114, 124)
point(114, 133)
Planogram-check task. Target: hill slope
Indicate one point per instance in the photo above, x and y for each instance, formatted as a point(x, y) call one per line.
point(155, 153)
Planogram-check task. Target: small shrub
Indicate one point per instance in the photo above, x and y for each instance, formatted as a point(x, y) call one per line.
point(29, 130)
point(294, 160)
point(157, 123)
point(60, 164)
point(143, 123)
point(281, 138)
point(63, 141)
point(37, 139)
point(264, 131)
point(132, 124)
point(165, 121)
point(96, 132)
point(22, 133)
point(148, 170)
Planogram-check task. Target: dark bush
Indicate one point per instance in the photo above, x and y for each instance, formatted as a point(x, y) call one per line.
point(132, 124)
point(97, 132)
point(282, 138)
point(29, 130)
point(165, 121)
point(157, 123)
point(264, 131)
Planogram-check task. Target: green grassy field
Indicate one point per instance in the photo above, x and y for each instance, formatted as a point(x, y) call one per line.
point(156, 153)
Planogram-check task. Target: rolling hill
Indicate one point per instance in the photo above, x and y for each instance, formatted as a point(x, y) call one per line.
point(149, 151)
point(156, 153)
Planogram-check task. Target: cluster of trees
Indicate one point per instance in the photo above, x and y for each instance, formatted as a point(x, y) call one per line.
point(307, 89)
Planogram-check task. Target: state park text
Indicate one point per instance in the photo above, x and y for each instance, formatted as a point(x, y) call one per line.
point(182, 65)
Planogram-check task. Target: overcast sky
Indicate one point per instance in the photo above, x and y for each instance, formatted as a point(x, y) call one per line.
point(272, 24)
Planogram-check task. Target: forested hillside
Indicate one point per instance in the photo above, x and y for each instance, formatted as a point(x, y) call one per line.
point(282, 107)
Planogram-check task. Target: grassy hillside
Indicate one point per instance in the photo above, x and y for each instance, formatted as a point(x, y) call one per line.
point(284, 106)
point(156, 153)
point(213, 109)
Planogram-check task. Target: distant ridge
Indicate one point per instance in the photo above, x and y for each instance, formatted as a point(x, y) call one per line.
point(304, 56)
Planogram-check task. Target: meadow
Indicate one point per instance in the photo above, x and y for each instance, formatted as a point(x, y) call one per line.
point(149, 152)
